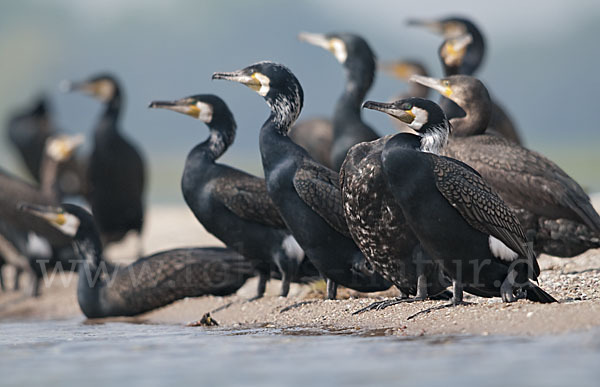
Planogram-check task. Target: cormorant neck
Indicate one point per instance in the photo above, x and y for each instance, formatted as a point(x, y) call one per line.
point(275, 145)
point(217, 143)
point(284, 113)
point(48, 176)
point(435, 138)
point(112, 111)
point(349, 104)
point(475, 121)
point(404, 140)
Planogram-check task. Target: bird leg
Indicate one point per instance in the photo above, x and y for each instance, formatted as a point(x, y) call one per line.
point(140, 244)
point(457, 299)
point(331, 289)
point(507, 287)
point(262, 286)
point(17, 282)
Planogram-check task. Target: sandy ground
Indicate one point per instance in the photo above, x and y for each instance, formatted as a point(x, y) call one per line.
point(574, 282)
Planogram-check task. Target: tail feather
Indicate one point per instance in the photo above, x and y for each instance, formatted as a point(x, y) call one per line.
point(537, 294)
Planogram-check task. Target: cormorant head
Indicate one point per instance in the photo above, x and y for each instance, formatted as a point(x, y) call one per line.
point(424, 117)
point(276, 84)
point(103, 87)
point(69, 219)
point(403, 69)
point(455, 28)
point(464, 90)
point(349, 49)
point(453, 50)
point(60, 148)
point(207, 108)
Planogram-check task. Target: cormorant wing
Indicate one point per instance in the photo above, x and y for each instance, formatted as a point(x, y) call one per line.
point(319, 188)
point(480, 206)
point(525, 174)
point(247, 197)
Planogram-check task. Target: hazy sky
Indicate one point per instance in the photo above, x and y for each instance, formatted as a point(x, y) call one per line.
point(542, 65)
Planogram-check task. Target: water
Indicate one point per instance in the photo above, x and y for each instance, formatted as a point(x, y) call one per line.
point(69, 353)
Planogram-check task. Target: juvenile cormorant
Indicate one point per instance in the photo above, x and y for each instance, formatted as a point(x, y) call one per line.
point(306, 193)
point(459, 220)
point(29, 130)
point(551, 206)
point(358, 60)
point(378, 227)
point(30, 243)
point(116, 172)
point(231, 204)
point(462, 52)
point(150, 282)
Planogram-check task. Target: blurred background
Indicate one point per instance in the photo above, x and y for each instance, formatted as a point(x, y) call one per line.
point(542, 65)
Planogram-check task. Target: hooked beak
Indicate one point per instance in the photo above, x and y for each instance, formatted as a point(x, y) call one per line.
point(434, 26)
point(66, 86)
point(318, 40)
point(405, 116)
point(432, 83)
point(49, 213)
point(239, 76)
point(179, 106)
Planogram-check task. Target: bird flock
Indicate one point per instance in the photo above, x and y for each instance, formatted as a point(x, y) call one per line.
point(452, 203)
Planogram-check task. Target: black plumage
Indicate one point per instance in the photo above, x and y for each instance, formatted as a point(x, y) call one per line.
point(552, 207)
point(105, 290)
point(307, 194)
point(359, 62)
point(116, 170)
point(463, 52)
point(231, 204)
point(459, 220)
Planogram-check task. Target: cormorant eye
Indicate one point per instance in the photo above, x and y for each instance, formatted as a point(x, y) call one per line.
point(406, 106)
point(446, 83)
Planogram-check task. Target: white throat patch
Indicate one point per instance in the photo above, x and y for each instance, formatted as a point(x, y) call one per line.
point(338, 48)
point(421, 117)
point(70, 225)
point(206, 112)
point(501, 251)
point(264, 84)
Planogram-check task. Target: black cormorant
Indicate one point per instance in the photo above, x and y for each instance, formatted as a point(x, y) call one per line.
point(462, 52)
point(29, 130)
point(231, 204)
point(150, 282)
point(116, 172)
point(459, 220)
point(358, 60)
point(31, 244)
point(306, 193)
point(551, 206)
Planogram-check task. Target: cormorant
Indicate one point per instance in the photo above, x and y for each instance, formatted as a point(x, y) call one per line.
point(231, 204)
point(358, 60)
point(462, 52)
point(116, 168)
point(29, 130)
point(306, 193)
point(150, 282)
point(378, 227)
point(459, 220)
point(552, 207)
point(28, 243)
